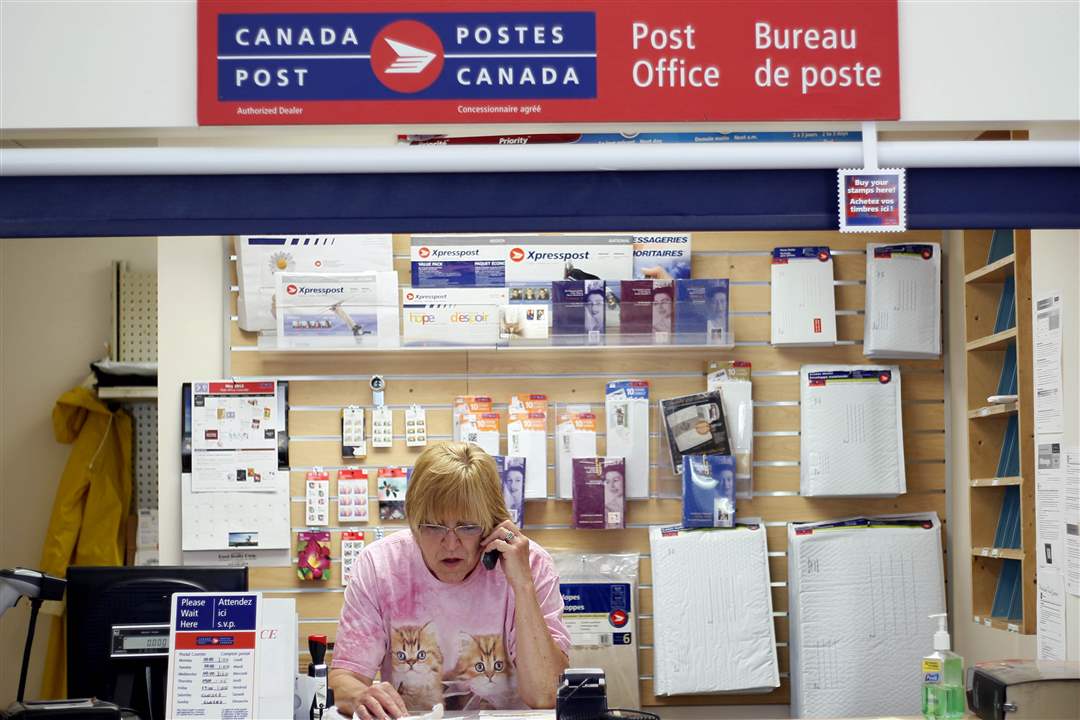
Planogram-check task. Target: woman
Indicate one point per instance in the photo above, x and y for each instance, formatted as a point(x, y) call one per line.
point(422, 609)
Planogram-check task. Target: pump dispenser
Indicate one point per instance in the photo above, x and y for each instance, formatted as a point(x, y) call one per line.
point(943, 677)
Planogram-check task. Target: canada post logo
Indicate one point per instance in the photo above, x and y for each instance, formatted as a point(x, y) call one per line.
point(407, 56)
point(419, 56)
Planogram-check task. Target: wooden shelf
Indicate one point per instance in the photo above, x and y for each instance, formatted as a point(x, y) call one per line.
point(989, 423)
point(993, 411)
point(995, 272)
point(998, 623)
point(996, 482)
point(997, 341)
point(128, 393)
point(1003, 553)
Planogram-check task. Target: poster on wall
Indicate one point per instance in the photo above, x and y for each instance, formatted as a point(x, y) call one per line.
point(291, 62)
point(873, 200)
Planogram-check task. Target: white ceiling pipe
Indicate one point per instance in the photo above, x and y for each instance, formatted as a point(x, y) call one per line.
point(531, 158)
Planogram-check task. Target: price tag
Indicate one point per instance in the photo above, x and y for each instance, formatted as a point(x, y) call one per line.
point(995, 552)
point(988, 622)
point(995, 481)
point(984, 552)
point(1013, 628)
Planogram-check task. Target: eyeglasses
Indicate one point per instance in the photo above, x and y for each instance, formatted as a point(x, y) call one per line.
point(438, 532)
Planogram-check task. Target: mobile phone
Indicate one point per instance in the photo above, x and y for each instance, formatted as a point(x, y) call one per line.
point(490, 558)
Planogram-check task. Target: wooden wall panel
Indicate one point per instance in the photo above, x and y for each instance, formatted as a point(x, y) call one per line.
point(323, 382)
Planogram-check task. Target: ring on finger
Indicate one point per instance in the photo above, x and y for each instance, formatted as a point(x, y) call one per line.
point(509, 536)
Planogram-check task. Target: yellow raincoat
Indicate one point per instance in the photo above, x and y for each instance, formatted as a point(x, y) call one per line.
point(92, 503)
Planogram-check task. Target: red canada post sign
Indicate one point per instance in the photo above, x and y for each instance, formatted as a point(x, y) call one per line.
point(267, 62)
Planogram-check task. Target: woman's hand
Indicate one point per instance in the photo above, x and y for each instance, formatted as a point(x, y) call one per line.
point(379, 701)
point(508, 539)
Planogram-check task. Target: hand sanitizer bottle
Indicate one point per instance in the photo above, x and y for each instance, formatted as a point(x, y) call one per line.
point(943, 677)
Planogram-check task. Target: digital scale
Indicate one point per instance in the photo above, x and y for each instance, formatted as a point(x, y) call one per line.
point(140, 641)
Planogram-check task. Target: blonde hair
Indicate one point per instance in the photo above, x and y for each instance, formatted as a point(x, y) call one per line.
point(451, 478)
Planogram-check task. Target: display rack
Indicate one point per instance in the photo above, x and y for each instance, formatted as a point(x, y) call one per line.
point(322, 382)
point(997, 299)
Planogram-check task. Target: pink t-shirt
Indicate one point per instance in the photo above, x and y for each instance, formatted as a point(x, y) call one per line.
point(452, 643)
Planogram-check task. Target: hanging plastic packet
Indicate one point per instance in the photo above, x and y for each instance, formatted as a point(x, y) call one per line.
point(599, 609)
point(732, 379)
point(708, 491)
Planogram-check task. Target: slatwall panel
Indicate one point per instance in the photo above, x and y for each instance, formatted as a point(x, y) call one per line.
point(323, 382)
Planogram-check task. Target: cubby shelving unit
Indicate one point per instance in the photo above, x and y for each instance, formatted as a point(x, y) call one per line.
point(997, 301)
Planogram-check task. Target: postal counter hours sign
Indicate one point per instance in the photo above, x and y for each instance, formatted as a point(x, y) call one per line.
point(283, 62)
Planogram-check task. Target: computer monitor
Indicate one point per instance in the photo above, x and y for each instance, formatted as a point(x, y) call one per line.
point(116, 618)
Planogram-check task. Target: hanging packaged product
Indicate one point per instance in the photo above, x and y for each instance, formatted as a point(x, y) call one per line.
point(526, 437)
point(575, 437)
point(711, 589)
point(352, 495)
point(702, 312)
point(859, 593)
point(577, 311)
point(599, 493)
point(731, 379)
point(481, 430)
point(662, 255)
point(903, 301)
point(352, 542)
point(382, 427)
point(512, 476)
point(317, 498)
point(313, 555)
point(708, 491)
point(803, 309)
point(353, 444)
point(415, 426)
point(851, 431)
point(319, 310)
point(392, 482)
point(626, 409)
point(469, 405)
point(260, 259)
point(696, 425)
point(600, 612)
point(452, 316)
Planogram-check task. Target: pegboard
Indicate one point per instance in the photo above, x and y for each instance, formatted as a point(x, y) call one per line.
point(137, 316)
point(145, 456)
point(323, 382)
